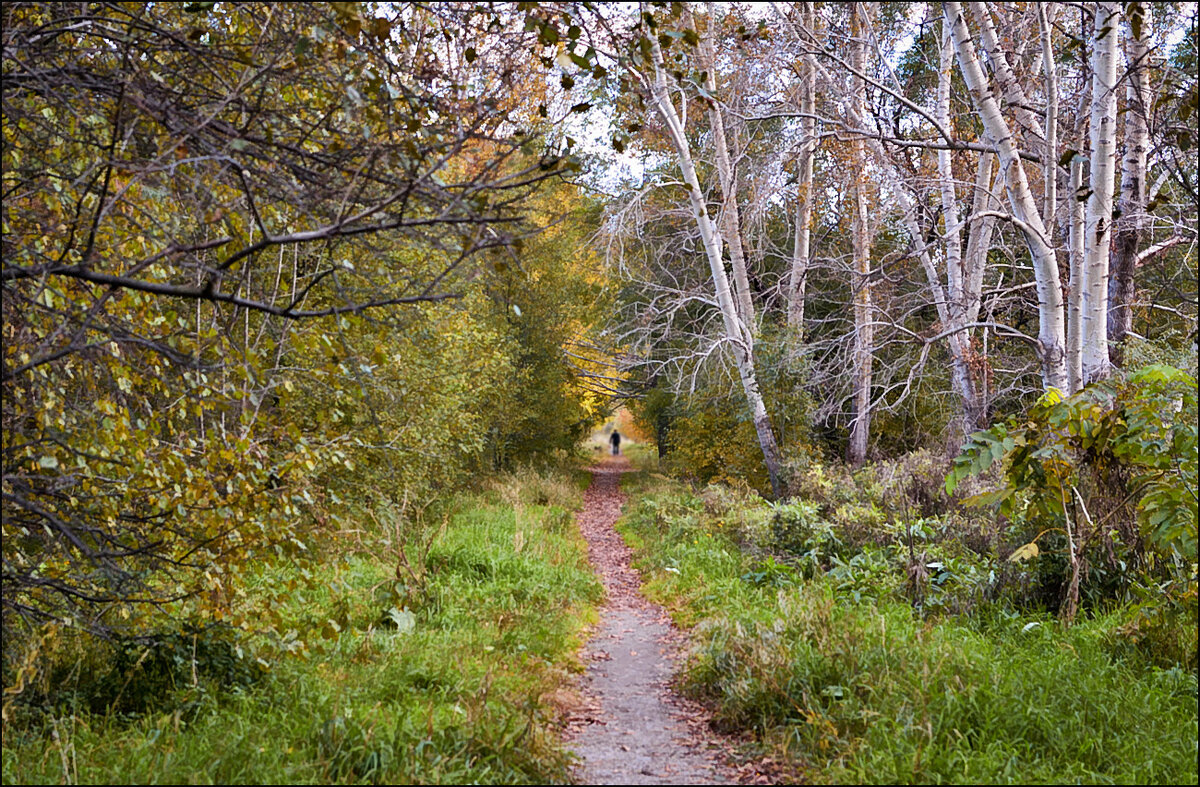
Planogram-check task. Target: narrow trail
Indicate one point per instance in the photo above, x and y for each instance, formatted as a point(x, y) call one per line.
point(635, 730)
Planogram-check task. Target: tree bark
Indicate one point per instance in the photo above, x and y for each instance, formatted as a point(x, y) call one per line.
point(958, 281)
point(804, 175)
point(864, 332)
point(1075, 251)
point(1098, 224)
point(1009, 86)
point(1046, 14)
point(1130, 226)
point(1051, 333)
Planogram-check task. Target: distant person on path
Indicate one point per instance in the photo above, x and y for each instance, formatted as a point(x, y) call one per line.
point(616, 442)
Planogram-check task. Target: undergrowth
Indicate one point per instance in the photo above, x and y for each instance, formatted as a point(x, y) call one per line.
point(411, 655)
point(853, 662)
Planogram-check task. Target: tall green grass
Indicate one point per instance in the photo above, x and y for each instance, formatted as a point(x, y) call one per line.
point(444, 676)
point(850, 684)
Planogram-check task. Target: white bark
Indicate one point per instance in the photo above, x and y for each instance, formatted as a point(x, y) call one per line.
point(1098, 224)
point(736, 331)
point(1009, 86)
point(959, 281)
point(1139, 98)
point(1051, 334)
point(1046, 14)
point(864, 333)
point(1075, 307)
point(984, 206)
point(954, 269)
point(804, 175)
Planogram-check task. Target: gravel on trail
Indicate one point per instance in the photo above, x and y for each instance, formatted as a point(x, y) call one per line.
point(631, 727)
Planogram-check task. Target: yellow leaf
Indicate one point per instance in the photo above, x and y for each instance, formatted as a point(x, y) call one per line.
point(1026, 552)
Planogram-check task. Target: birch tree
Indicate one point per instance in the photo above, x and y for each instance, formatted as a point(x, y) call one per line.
point(1132, 206)
point(1025, 215)
point(801, 245)
point(864, 329)
point(1098, 223)
point(736, 333)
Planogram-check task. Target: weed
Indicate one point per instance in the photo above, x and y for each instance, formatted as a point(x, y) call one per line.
point(452, 696)
point(832, 667)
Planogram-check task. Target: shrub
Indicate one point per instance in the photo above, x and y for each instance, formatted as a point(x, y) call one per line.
point(1111, 469)
point(66, 671)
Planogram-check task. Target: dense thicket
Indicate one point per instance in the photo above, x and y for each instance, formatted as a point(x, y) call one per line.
point(264, 265)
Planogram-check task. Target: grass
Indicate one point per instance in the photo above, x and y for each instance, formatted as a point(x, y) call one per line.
point(446, 677)
point(847, 683)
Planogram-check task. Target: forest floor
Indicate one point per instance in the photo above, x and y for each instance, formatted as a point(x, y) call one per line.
point(632, 727)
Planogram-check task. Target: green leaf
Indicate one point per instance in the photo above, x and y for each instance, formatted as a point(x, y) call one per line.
point(992, 498)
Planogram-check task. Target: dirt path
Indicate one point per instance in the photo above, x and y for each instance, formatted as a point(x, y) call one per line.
point(635, 730)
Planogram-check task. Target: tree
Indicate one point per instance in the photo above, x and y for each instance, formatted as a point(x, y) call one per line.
point(648, 65)
point(1025, 215)
point(185, 188)
point(1098, 223)
point(864, 320)
point(802, 243)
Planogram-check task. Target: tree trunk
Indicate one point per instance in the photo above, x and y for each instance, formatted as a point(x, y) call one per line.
point(1046, 14)
point(1075, 250)
point(1098, 224)
point(864, 332)
point(1130, 226)
point(804, 175)
point(1051, 333)
point(736, 332)
point(1005, 78)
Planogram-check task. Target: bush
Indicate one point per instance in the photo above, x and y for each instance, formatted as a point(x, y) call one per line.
point(1111, 471)
point(68, 671)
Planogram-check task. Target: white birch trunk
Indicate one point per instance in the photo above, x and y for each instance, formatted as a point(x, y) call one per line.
point(863, 354)
point(1075, 306)
point(984, 206)
point(1051, 334)
point(1009, 86)
point(801, 251)
point(735, 331)
point(1046, 14)
point(957, 285)
point(1098, 224)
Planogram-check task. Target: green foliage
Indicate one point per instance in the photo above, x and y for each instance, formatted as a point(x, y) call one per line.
point(714, 440)
point(797, 531)
point(544, 309)
point(460, 696)
point(841, 680)
point(1115, 464)
point(240, 310)
point(654, 414)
